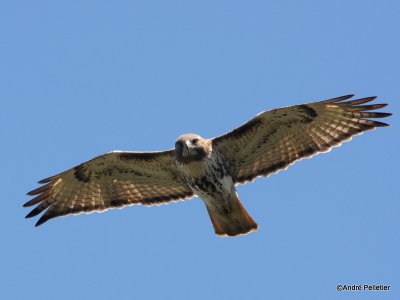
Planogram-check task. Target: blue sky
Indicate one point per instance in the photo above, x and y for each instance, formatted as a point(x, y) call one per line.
point(81, 78)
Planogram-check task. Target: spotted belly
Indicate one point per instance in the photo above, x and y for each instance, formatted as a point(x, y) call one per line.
point(209, 180)
point(215, 192)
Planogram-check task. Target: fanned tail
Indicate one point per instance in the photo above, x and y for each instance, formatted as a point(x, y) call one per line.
point(236, 222)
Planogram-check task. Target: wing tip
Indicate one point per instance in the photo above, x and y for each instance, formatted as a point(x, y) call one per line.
point(338, 99)
point(32, 214)
point(380, 124)
point(37, 210)
point(48, 179)
point(345, 97)
point(43, 181)
point(41, 221)
point(370, 98)
point(31, 193)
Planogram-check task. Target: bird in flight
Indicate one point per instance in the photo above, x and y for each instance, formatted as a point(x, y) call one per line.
point(207, 168)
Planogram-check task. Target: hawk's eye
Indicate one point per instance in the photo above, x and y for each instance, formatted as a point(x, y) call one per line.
point(194, 141)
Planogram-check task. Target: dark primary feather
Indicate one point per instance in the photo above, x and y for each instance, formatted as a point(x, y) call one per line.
point(112, 180)
point(277, 138)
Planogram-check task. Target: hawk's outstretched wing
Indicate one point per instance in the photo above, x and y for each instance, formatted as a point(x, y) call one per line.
point(277, 138)
point(115, 179)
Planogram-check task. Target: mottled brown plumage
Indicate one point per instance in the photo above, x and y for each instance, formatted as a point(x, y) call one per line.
point(209, 168)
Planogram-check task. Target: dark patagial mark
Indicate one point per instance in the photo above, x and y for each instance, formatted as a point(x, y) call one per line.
point(240, 131)
point(310, 112)
point(143, 155)
point(80, 174)
point(129, 156)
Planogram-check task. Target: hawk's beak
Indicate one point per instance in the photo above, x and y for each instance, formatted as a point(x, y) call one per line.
point(187, 145)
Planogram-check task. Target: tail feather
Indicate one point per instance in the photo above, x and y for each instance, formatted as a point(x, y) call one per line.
point(236, 222)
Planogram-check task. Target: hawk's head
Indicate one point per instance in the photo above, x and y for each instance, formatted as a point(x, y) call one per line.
point(191, 147)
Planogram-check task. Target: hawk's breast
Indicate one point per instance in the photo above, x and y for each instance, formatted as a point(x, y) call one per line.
point(207, 177)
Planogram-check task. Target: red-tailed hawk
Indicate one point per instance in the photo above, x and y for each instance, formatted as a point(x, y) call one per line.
point(208, 168)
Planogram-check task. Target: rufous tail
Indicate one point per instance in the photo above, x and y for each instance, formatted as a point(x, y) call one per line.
point(233, 223)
